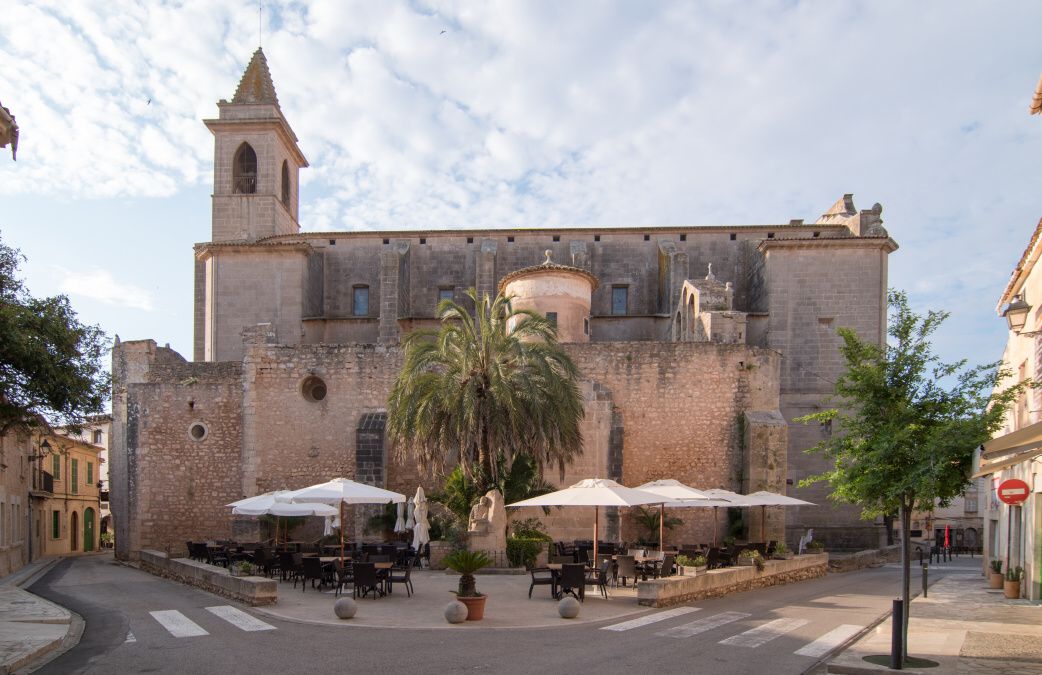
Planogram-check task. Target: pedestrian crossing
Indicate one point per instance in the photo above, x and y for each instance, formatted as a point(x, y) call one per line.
point(179, 625)
point(751, 638)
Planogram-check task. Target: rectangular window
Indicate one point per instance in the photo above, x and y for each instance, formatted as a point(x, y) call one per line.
point(57, 466)
point(90, 473)
point(619, 299)
point(360, 307)
point(971, 504)
point(97, 437)
point(586, 326)
point(445, 294)
point(75, 477)
point(552, 317)
point(56, 524)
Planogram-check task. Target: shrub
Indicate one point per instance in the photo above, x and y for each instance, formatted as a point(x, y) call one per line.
point(1014, 574)
point(816, 546)
point(523, 551)
point(530, 528)
point(466, 563)
point(996, 566)
point(697, 561)
point(781, 548)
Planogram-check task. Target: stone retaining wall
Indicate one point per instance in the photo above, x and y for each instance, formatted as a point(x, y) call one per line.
point(715, 583)
point(251, 590)
point(862, 559)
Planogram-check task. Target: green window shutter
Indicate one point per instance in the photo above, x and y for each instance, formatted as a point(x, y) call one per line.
point(75, 477)
point(57, 464)
point(90, 473)
point(56, 524)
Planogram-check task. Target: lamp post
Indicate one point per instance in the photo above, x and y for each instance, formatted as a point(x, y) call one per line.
point(45, 449)
point(1016, 314)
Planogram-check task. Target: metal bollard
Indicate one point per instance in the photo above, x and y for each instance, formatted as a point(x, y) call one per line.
point(897, 634)
point(920, 550)
point(926, 573)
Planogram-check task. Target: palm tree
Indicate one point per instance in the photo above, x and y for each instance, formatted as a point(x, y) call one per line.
point(485, 389)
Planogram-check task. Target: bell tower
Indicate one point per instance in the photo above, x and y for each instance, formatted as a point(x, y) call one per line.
point(256, 163)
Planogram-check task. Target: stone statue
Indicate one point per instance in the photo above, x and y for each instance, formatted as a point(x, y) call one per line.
point(479, 513)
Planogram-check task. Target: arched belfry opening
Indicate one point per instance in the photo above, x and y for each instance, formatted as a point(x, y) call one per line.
point(244, 170)
point(285, 183)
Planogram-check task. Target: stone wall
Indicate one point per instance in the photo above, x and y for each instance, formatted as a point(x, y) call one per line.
point(254, 591)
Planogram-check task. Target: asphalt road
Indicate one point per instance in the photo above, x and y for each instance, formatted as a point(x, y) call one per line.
point(137, 623)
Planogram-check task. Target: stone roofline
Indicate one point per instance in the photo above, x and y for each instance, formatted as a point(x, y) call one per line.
point(885, 243)
point(535, 270)
point(662, 229)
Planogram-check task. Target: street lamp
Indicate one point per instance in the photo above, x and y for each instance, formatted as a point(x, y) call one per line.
point(1016, 314)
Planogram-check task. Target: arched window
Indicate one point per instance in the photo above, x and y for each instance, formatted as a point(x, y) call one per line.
point(244, 170)
point(285, 183)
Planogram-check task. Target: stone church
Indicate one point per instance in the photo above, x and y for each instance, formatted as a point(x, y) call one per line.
point(698, 346)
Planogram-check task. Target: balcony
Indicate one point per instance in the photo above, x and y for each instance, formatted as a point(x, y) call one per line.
point(43, 482)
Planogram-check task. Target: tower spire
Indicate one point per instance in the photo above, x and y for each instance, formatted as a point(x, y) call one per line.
point(256, 85)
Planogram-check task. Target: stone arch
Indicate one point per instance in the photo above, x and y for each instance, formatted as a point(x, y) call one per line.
point(244, 170)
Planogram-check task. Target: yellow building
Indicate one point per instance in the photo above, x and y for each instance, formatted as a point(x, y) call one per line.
point(65, 496)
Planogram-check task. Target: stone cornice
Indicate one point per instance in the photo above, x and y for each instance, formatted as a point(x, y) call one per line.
point(885, 243)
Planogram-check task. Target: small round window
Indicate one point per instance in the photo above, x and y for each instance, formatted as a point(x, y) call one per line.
point(313, 388)
point(197, 431)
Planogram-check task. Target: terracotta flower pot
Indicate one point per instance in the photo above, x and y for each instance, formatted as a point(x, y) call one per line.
point(1011, 589)
point(995, 580)
point(475, 607)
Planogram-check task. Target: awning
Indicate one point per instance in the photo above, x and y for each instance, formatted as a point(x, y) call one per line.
point(1012, 448)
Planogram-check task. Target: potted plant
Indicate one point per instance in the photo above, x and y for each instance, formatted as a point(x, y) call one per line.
point(241, 568)
point(815, 547)
point(1011, 587)
point(467, 563)
point(750, 557)
point(106, 539)
point(782, 552)
point(694, 566)
point(995, 579)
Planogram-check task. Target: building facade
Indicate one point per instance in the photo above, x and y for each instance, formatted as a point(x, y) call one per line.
point(698, 346)
point(15, 452)
point(66, 509)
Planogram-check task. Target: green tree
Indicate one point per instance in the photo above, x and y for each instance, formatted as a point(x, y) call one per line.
point(907, 423)
point(485, 389)
point(521, 481)
point(51, 364)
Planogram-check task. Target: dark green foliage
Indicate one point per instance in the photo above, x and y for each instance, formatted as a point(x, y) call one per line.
point(523, 552)
point(466, 563)
point(647, 519)
point(51, 365)
point(484, 390)
point(530, 528)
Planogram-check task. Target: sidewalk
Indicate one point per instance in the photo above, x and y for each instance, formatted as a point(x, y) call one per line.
point(30, 627)
point(962, 625)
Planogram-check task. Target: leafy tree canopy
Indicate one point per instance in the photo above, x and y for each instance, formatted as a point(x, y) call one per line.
point(51, 364)
point(907, 424)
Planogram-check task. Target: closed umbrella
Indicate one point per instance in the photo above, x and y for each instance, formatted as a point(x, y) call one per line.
point(421, 533)
point(595, 492)
point(410, 519)
point(399, 523)
point(340, 492)
point(765, 499)
point(672, 490)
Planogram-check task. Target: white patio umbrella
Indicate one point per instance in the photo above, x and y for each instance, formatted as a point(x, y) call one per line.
point(341, 492)
point(410, 519)
point(766, 499)
point(595, 492)
point(399, 523)
point(732, 499)
point(672, 490)
point(421, 533)
point(268, 504)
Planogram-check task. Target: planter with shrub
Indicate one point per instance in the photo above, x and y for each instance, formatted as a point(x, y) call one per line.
point(691, 566)
point(467, 563)
point(1011, 585)
point(995, 579)
point(782, 552)
point(751, 557)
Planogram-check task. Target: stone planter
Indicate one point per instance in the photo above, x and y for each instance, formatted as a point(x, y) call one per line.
point(745, 562)
point(783, 556)
point(1011, 589)
point(475, 607)
point(995, 580)
point(688, 571)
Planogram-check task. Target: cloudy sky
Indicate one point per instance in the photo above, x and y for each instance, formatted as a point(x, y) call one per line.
point(443, 114)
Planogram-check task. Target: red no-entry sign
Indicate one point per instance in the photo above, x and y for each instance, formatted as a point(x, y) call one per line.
point(1013, 491)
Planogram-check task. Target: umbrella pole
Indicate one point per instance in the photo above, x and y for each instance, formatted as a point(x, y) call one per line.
point(763, 521)
point(596, 522)
point(716, 528)
point(661, 526)
point(341, 532)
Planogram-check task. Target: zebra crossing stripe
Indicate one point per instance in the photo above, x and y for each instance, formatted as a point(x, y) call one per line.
point(239, 618)
point(651, 618)
point(702, 625)
point(764, 633)
point(130, 637)
point(829, 641)
point(177, 624)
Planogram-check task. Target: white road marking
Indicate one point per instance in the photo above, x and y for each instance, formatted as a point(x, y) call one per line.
point(702, 625)
point(764, 633)
point(178, 624)
point(829, 641)
point(651, 618)
point(130, 637)
point(239, 618)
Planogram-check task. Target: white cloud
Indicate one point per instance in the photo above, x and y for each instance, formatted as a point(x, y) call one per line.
point(99, 284)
